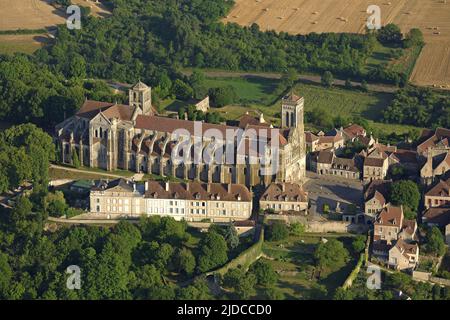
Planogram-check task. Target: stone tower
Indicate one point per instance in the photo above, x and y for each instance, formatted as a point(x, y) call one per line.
point(292, 118)
point(292, 112)
point(140, 96)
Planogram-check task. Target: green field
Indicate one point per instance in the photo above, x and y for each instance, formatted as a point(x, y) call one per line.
point(250, 90)
point(259, 95)
point(293, 259)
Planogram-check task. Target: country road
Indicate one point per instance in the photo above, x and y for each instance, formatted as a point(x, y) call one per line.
point(309, 79)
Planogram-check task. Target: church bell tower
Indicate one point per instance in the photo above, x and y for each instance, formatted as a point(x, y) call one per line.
point(140, 96)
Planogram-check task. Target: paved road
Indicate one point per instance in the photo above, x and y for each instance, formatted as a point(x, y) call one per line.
point(312, 79)
point(331, 190)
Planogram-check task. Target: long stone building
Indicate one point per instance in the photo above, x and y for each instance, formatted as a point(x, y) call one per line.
point(132, 137)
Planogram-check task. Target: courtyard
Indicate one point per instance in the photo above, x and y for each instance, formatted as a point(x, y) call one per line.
point(334, 192)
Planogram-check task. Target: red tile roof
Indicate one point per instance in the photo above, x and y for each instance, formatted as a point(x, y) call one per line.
point(391, 216)
point(284, 192)
point(197, 191)
point(354, 130)
point(91, 108)
point(437, 215)
point(169, 125)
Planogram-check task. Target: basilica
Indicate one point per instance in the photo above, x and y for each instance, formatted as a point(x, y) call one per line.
point(134, 137)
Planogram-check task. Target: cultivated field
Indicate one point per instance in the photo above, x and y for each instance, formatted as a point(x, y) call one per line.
point(28, 14)
point(26, 43)
point(306, 16)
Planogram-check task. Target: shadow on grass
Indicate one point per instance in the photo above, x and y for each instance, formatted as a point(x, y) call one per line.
point(374, 111)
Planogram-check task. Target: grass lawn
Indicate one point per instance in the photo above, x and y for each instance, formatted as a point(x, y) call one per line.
point(293, 259)
point(58, 173)
point(250, 90)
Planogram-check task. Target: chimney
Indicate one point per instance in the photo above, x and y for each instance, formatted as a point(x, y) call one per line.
point(229, 188)
point(167, 186)
point(187, 186)
point(283, 187)
point(146, 185)
point(186, 116)
point(208, 187)
point(134, 186)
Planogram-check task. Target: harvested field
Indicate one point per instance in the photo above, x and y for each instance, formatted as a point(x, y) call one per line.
point(26, 43)
point(28, 14)
point(306, 16)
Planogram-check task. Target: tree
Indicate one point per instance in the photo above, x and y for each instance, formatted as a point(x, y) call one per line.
point(364, 86)
point(55, 204)
point(222, 96)
point(359, 243)
point(213, 252)
point(435, 242)
point(406, 193)
point(331, 255)
point(182, 90)
point(185, 261)
point(231, 237)
point(277, 231)
point(232, 278)
point(264, 272)
point(348, 84)
point(6, 274)
point(75, 159)
point(343, 294)
point(327, 79)
point(390, 34)
point(297, 228)
point(246, 286)
point(274, 294)
point(199, 290)
point(413, 38)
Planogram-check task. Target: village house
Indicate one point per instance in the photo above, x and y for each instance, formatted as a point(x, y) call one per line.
point(436, 166)
point(330, 142)
point(403, 255)
point(390, 228)
point(354, 131)
point(327, 163)
point(436, 216)
point(190, 201)
point(376, 165)
point(406, 159)
point(438, 139)
point(438, 195)
point(284, 198)
point(375, 198)
point(312, 141)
